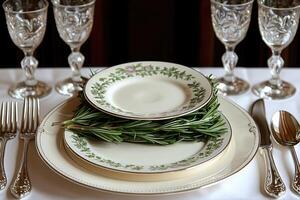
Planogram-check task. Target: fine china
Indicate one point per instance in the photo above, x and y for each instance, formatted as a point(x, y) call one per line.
point(142, 159)
point(241, 150)
point(148, 90)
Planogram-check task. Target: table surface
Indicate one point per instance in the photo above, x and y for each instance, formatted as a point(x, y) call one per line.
point(246, 184)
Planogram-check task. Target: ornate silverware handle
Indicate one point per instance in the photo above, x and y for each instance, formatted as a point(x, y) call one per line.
point(21, 185)
point(3, 179)
point(274, 185)
point(296, 181)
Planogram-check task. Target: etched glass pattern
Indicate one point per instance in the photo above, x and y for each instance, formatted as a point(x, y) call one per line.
point(231, 20)
point(278, 27)
point(26, 22)
point(278, 24)
point(74, 22)
point(26, 31)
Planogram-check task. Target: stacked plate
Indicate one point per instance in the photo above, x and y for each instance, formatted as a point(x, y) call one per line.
point(147, 91)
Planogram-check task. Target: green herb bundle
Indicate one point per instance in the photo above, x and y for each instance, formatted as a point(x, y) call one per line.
point(199, 125)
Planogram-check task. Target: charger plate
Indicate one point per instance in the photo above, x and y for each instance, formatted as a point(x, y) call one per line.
point(148, 90)
point(241, 150)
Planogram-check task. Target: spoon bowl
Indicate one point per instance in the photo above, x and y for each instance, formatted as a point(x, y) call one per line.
point(286, 131)
point(285, 128)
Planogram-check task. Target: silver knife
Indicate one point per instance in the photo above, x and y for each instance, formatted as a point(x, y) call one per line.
point(274, 185)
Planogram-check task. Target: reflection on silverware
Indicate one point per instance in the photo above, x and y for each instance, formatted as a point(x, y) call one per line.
point(274, 185)
point(21, 185)
point(8, 117)
point(285, 129)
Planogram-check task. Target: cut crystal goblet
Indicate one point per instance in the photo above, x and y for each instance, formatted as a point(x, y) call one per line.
point(26, 23)
point(74, 22)
point(231, 20)
point(278, 23)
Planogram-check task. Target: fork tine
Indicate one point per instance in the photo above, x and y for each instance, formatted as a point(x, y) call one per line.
point(24, 120)
point(14, 116)
point(8, 117)
point(28, 116)
point(4, 117)
point(36, 113)
point(1, 117)
point(31, 122)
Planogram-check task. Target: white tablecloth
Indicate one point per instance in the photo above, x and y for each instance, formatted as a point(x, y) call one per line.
point(246, 184)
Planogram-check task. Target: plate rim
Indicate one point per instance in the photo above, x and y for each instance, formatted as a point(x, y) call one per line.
point(148, 118)
point(221, 178)
point(221, 150)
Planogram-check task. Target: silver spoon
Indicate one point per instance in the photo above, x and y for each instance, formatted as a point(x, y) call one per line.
point(285, 130)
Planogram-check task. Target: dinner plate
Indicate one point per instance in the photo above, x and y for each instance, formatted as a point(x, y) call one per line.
point(148, 90)
point(241, 150)
point(142, 159)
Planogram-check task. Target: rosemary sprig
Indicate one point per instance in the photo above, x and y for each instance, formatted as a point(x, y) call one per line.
point(200, 125)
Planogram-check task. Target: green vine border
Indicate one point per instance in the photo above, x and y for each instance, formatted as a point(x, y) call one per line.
point(82, 145)
point(98, 89)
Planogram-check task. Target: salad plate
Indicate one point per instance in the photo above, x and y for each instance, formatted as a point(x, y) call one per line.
point(240, 151)
point(153, 161)
point(148, 90)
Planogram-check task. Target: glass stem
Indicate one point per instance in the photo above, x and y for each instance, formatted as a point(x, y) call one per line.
point(275, 64)
point(29, 64)
point(76, 60)
point(229, 60)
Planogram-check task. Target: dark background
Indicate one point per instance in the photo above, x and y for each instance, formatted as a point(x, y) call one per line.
point(177, 31)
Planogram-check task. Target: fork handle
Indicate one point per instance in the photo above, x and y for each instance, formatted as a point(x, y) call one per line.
point(22, 185)
point(3, 179)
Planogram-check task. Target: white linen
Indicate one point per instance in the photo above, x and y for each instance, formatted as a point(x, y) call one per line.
point(246, 184)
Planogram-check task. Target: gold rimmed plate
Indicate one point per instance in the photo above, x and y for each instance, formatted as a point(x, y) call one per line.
point(141, 159)
point(148, 90)
point(241, 150)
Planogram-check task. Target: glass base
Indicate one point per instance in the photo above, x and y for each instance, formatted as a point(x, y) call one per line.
point(21, 90)
point(238, 86)
point(269, 91)
point(69, 87)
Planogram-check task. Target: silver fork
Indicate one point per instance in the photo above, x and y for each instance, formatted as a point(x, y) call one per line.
point(21, 185)
point(8, 116)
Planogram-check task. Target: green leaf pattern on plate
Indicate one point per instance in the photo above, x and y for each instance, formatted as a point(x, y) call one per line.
point(82, 145)
point(99, 88)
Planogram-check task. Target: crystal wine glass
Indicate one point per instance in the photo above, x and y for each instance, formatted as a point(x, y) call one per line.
point(278, 23)
point(26, 22)
point(231, 20)
point(74, 22)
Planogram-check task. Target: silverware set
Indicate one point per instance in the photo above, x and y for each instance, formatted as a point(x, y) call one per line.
point(286, 131)
point(21, 184)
